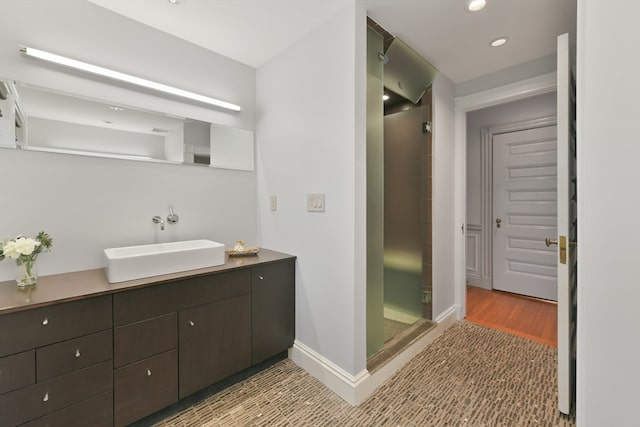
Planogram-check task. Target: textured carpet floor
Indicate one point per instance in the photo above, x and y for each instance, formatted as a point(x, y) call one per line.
point(469, 376)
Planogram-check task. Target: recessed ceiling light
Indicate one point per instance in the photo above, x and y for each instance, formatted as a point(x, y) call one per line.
point(476, 5)
point(498, 42)
point(114, 108)
point(175, 1)
point(385, 97)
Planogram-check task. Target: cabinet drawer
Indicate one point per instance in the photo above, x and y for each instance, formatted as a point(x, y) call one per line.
point(42, 326)
point(94, 412)
point(17, 371)
point(145, 387)
point(67, 356)
point(144, 339)
point(140, 304)
point(44, 398)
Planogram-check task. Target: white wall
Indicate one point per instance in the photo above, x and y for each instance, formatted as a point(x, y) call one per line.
point(88, 204)
point(608, 205)
point(311, 139)
point(517, 73)
point(444, 228)
point(84, 31)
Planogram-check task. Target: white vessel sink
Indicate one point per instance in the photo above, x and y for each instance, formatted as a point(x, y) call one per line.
point(137, 262)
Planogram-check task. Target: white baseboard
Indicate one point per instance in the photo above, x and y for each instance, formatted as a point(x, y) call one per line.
point(356, 389)
point(331, 375)
point(484, 283)
point(448, 317)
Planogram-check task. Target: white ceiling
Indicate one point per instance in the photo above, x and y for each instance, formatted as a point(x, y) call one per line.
point(442, 31)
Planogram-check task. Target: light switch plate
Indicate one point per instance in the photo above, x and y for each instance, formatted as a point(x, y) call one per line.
point(315, 202)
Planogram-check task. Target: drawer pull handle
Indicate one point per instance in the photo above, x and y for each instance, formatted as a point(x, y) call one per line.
point(148, 372)
point(261, 277)
point(191, 323)
point(46, 397)
point(78, 353)
point(45, 322)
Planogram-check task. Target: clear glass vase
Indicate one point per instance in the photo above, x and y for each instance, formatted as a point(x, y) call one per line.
point(26, 273)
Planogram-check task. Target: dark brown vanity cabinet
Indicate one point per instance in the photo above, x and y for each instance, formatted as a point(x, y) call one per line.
point(56, 364)
point(272, 309)
point(145, 361)
point(173, 339)
point(113, 359)
point(215, 342)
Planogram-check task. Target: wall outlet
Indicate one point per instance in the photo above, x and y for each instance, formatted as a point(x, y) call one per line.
point(315, 202)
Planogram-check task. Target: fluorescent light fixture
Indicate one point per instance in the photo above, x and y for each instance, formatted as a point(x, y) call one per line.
point(498, 42)
point(476, 5)
point(116, 75)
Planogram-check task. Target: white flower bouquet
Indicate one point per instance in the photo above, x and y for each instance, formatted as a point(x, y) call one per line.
point(25, 250)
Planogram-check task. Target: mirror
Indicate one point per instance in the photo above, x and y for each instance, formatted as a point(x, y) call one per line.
point(41, 119)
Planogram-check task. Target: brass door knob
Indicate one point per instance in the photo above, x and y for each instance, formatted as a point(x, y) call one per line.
point(498, 222)
point(550, 242)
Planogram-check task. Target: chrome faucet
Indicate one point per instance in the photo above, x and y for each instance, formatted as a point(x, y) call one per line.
point(172, 218)
point(157, 220)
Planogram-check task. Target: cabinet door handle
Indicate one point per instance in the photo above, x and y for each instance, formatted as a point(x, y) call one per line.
point(148, 372)
point(45, 322)
point(78, 352)
point(191, 323)
point(261, 277)
point(46, 397)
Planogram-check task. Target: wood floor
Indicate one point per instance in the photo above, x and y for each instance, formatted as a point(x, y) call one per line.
point(523, 316)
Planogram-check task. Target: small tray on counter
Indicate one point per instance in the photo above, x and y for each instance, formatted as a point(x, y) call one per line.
point(244, 252)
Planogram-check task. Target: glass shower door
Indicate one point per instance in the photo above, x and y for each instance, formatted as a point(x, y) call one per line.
point(407, 195)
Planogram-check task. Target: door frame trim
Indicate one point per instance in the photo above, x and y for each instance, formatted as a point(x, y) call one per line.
point(486, 168)
point(511, 92)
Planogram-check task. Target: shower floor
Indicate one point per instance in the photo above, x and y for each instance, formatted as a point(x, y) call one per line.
point(393, 328)
point(398, 342)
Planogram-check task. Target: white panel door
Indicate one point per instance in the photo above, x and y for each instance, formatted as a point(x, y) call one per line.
point(525, 212)
point(567, 257)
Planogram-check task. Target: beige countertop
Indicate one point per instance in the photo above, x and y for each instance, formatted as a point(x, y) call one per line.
point(77, 285)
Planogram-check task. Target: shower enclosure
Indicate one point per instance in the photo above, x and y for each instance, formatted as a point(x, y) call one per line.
point(399, 159)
